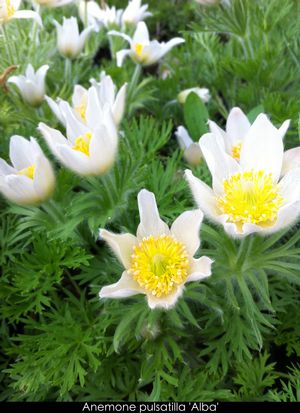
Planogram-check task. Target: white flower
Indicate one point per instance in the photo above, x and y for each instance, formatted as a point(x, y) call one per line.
point(135, 12)
point(248, 196)
point(89, 149)
point(101, 93)
point(237, 127)
point(69, 42)
point(32, 85)
point(53, 3)
point(30, 179)
point(211, 2)
point(192, 152)
point(203, 94)
point(9, 9)
point(142, 50)
point(158, 261)
point(107, 17)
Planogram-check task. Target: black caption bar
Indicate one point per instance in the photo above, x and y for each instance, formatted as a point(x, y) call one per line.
point(150, 407)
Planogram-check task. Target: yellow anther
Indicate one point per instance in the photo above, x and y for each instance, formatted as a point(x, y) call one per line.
point(29, 171)
point(82, 143)
point(138, 48)
point(81, 110)
point(236, 151)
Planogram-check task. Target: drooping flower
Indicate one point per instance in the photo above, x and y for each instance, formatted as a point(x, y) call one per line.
point(32, 85)
point(192, 152)
point(237, 127)
point(88, 149)
point(142, 50)
point(101, 94)
point(9, 9)
point(30, 179)
point(92, 14)
point(203, 94)
point(69, 42)
point(135, 12)
point(248, 196)
point(158, 261)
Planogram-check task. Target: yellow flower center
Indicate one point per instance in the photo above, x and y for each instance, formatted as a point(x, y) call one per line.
point(29, 171)
point(9, 8)
point(138, 48)
point(81, 110)
point(250, 197)
point(236, 151)
point(82, 143)
point(159, 264)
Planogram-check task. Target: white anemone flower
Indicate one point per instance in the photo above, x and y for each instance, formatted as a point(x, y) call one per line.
point(202, 92)
point(9, 9)
point(249, 196)
point(52, 3)
point(88, 149)
point(32, 85)
point(135, 12)
point(191, 150)
point(101, 93)
point(142, 50)
point(69, 42)
point(97, 16)
point(237, 127)
point(30, 179)
point(158, 261)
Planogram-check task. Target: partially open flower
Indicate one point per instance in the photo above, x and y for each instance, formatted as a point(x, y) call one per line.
point(192, 152)
point(142, 50)
point(89, 149)
point(135, 12)
point(91, 13)
point(101, 94)
point(32, 85)
point(158, 261)
point(203, 94)
point(69, 42)
point(9, 9)
point(30, 179)
point(53, 3)
point(249, 195)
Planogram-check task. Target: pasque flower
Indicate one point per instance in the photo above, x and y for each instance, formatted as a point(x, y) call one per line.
point(101, 93)
point(254, 194)
point(88, 149)
point(97, 16)
point(53, 3)
point(69, 42)
point(32, 85)
point(191, 150)
point(158, 261)
point(142, 50)
point(237, 127)
point(30, 179)
point(202, 92)
point(135, 12)
point(9, 9)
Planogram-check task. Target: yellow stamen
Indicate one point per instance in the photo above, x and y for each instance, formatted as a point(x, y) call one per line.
point(81, 110)
point(250, 197)
point(236, 151)
point(82, 143)
point(29, 171)
point(10, 9)
point(138, 48)
point(159, 264)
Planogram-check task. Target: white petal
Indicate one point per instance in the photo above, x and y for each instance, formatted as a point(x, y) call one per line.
point(79, 95)
point(5, 168)
point(141, 34)
point(287, 215)
point(203, 196)
point(93, 109)
point(55, 109)
point(28, 14)
point(75, 160)
point(220, 164)
point(262, 148)
point(291, 160)
point(170, 44)
point(53, 137)
point(200, 268)
point(123, 35)
point(183, 137)
point(284, 127)
point(151, 223)
point(119, 105)
point(232, 229)
point(125, 287)
point(23, 189)
point(290, 186)
point(121, 54)
point(103, 150)
point(186, 230)
point(21, 152)
point(165, 302)
point(121, 244)
point(44, 178)
point(237, 126)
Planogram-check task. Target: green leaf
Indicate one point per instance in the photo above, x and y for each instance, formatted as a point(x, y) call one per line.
point(195, 116)
point(252, 115)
